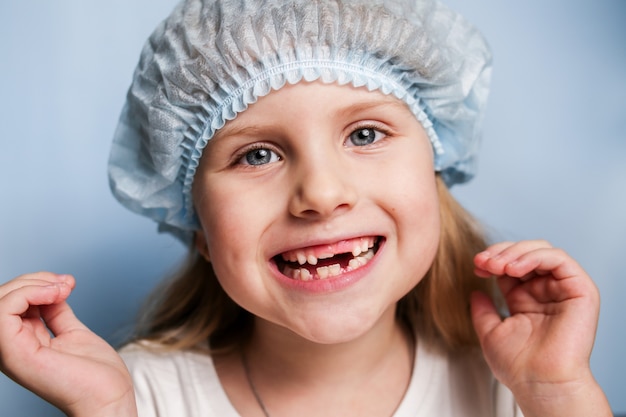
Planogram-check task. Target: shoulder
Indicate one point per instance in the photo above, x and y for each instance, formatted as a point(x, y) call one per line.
point(475, 384)
point(467, 382)
point(180, 382)
point(156, 368)
point(147, 357)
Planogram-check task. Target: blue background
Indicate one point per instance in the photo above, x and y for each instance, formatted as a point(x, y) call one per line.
point(553, 162)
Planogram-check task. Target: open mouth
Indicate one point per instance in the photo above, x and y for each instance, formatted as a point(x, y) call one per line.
point(327, 261)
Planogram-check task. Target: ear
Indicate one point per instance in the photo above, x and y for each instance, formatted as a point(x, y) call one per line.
point(201, 245)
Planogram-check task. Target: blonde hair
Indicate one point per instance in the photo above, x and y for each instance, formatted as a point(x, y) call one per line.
point(439, 306)
point(192, 309)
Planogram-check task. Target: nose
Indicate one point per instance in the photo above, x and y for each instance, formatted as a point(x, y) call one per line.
point(323, 186)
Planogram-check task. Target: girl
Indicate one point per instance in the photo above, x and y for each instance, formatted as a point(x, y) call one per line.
point(304, 149)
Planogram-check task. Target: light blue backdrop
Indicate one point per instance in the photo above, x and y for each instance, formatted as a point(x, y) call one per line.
point(553, 166)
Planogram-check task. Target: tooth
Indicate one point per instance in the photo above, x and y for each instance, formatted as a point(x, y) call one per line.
point(322, 272)
point(356, 250)
point(326, 255)
point(364, 245)
point(305, 275)
point(295, 274)
point(301, 258)
point(334, 270)
point(369, 254)
point(289, 272)
point(353, 264)
point(311, 259)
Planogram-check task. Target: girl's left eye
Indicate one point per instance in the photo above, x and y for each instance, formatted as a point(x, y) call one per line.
point(258, 156)
point(365, 136)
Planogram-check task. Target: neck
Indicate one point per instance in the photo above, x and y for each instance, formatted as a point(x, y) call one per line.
point(290, 375)
point(281, 355)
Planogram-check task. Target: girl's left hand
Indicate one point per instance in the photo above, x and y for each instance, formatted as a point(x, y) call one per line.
point(541, 351)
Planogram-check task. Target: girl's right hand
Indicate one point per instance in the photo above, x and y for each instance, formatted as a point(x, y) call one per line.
point(45, 348)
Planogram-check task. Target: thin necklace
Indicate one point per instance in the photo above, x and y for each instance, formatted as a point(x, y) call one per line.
point(246, 369)
point(259, 401)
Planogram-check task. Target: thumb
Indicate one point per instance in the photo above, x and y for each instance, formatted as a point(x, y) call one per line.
point(484, 315)
point(60, 318)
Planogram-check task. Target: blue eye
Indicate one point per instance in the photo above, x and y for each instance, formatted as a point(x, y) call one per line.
point(365, 136)
point(259, 156)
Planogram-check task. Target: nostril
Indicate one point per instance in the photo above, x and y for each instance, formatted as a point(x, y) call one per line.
point(321, 203)
point(321, 189)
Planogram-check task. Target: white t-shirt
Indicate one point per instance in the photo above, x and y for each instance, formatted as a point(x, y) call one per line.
point(185, 384)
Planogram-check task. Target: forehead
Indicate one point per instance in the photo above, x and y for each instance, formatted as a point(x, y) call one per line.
point(302, 99)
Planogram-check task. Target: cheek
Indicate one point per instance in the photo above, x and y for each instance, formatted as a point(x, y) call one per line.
point(421, 220)
point(224, 211)
point(233, 222)
point(416, 210)
point(228, 239)
point(414, 185)
point(219, 216)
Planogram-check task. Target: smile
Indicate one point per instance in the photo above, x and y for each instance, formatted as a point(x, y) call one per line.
point(327, 261)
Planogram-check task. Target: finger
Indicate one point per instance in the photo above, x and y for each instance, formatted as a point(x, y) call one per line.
point(481, 258)
point(19, 336)
point(541, 262)
point(539, 265)
point(18, 301)
point(484, 315)
point(495, 259)
point(38, 278)
point(507, 284)
point(60, 319)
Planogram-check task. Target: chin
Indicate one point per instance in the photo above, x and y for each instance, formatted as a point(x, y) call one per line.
point(336, 328)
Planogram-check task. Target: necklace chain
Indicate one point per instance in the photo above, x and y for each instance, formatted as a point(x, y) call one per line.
point(257, 396)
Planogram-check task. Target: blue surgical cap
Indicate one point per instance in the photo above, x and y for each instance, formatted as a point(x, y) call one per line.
point(210, 59)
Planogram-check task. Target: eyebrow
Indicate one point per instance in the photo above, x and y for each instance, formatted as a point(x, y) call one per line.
point(384, 101)
point(230, 130)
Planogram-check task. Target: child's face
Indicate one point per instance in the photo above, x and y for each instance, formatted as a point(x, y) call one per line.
point(315, 171)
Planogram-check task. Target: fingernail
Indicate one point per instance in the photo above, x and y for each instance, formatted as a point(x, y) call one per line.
point(63, 277)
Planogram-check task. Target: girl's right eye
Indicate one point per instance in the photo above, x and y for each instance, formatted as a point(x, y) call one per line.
point(258, 156)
